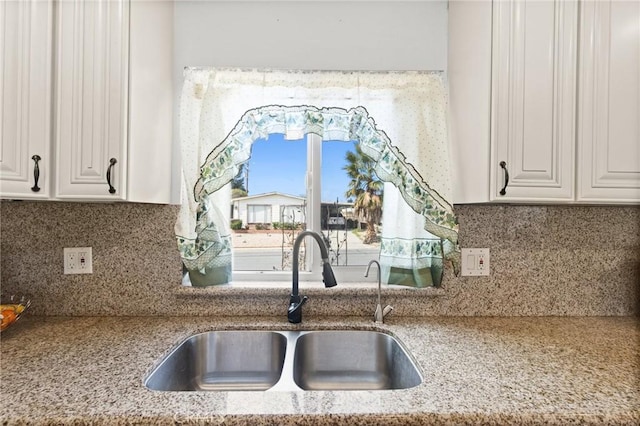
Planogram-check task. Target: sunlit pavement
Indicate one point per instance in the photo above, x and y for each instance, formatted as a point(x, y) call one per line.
point(263, 251)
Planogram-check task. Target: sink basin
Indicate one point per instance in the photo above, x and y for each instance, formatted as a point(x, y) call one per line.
point(286, 361)
point(222, 361)
point(352, 360)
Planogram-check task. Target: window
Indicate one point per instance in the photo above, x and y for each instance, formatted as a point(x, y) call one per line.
point(305, 182)
point(409, 153)
point(259, 214)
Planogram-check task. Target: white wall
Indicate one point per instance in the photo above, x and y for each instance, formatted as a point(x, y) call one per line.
point(327, 35)
point(318, 35)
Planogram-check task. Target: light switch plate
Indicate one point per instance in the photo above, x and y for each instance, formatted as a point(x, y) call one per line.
point(475, 262)
point(78, 260)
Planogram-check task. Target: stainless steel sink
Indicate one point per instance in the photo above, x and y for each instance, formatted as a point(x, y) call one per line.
point(352, 360)
point(286, 361)
point(222, 361)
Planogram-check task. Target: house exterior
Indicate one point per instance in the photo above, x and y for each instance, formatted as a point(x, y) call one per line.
point(275, 206)
point(268, 208)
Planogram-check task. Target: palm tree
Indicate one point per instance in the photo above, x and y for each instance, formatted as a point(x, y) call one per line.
point(238, 188)
point(366, 189)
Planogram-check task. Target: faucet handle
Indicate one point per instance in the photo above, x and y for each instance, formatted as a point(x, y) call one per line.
point(387, 309)
point(380, 313)
point(294, 313)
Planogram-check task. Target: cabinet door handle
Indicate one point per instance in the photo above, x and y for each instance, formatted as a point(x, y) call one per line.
point(503, 191)
point(112, 162)
point(36, 173)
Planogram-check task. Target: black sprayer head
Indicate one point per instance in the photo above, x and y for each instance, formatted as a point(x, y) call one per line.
point(327, 275)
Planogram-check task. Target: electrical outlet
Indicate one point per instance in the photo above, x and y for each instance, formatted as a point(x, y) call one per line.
point(78, 260)
point(475, 262)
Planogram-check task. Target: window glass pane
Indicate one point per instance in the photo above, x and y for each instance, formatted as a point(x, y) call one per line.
point(270, 201)
point(268, 205)
point(351, 202)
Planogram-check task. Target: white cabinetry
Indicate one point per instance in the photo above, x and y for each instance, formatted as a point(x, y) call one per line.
point(609, 94)
point(92, 47)
point(533, 100)
point(107, 117)
point(469, 69)
point(25, 97)
point(564, 91)
point(151, 99)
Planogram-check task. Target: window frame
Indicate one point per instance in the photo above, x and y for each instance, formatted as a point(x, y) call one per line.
point(311, 270)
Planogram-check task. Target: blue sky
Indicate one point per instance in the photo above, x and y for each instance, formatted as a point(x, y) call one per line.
point(280, 165)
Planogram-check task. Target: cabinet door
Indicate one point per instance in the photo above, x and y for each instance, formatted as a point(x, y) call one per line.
point(609, 112)
point(533, 100)
point(91, 99)
point(25, 98)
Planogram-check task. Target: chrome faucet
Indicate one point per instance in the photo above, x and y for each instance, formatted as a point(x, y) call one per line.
point(294, 313)
point(380, 313)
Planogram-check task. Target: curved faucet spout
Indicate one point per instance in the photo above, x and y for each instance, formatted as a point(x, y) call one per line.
point(294, 313)
point(366, 274)
point(379, 313)
point(327, 273)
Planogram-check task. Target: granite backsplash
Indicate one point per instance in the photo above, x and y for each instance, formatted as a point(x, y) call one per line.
point(545, 260)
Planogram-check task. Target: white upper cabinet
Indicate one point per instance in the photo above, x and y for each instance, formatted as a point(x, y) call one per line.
point(609, 109)
point(97, 92)
point(25, 97)
point(91, 99)
point(469, 69)
point(533, 100)
point(151, 98)
point(564, 96)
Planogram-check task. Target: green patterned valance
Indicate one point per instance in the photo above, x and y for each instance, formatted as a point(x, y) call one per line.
point(331, 124)
point(224, 111)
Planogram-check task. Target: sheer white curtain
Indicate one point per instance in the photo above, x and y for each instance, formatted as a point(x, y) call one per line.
point(409, 255)
point(399, 118)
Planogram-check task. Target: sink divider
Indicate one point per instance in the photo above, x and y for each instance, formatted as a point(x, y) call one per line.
point(286, 382)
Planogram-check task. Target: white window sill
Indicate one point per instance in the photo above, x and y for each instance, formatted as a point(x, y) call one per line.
point(283, 288)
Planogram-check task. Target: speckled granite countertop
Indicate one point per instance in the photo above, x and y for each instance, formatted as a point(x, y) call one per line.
point(78, 370)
